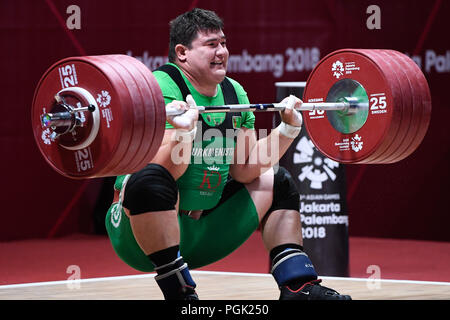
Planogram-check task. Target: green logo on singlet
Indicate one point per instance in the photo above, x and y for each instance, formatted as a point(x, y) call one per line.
point(237, 122)
point(116, 215)
point(214, 119)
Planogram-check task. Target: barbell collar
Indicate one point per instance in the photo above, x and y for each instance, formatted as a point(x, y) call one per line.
point(64, 118)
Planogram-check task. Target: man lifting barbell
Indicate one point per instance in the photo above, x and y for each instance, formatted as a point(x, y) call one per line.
point(204, 192)
point(190, 213)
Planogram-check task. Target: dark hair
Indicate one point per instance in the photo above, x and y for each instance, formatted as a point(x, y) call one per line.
point(184, 28)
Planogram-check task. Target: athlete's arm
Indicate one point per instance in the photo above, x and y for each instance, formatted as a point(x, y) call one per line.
point(174, 154)
point(253, 157)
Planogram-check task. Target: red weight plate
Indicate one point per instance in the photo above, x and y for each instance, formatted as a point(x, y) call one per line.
point(158, 106)
point(149, 118)
point(152, 142)
point(401, 125)
point(411, 107)
point(423, 113)
point(396, 127)
point(131, 156)
point(360, 145)
point(109, 94)
point(126, 107)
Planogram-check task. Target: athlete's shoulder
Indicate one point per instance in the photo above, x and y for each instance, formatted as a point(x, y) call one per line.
point(236, 84)
point(162, 75)
point(168, 86)
point(240, 91)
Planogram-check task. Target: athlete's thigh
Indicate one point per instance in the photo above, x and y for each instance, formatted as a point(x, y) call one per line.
point(122, 239)
point(261, 192)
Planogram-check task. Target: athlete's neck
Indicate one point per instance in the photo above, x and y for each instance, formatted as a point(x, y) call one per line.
point(206, 88)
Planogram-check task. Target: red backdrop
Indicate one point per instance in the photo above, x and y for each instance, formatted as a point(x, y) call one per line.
point(269, 41)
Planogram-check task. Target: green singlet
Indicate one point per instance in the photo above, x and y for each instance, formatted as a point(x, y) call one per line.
point(229, 221)
point(202, 184)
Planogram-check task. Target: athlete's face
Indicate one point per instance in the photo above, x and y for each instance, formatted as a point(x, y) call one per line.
point(208, 56)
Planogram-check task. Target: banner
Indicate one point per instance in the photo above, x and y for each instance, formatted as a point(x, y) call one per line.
point(279, 43)
point(323, 208)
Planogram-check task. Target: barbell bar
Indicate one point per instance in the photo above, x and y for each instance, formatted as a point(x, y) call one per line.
point(100, 116)
point(349, 105)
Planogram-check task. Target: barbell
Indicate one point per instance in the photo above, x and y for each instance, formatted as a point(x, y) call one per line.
point(97, 116)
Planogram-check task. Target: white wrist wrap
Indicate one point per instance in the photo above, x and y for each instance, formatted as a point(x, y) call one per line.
point(289, 131)
point(184, 135)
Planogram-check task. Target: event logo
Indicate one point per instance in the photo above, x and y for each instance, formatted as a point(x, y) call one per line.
point(104, 99)
point(356, 143)
point(46, 136)
point(317, 168)
point(338, 69)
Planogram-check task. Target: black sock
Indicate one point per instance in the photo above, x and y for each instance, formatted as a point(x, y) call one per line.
point(173, 275)
point(165, 256)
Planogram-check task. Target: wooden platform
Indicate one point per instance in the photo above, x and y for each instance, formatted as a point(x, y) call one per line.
point(219, 286)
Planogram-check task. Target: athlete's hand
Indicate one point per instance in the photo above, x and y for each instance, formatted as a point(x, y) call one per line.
point(188, 119)
point(289, 115)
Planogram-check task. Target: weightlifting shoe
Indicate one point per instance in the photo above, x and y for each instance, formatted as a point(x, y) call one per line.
point(311, 291)
point(189, 294)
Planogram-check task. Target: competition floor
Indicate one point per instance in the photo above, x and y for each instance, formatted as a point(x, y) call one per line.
point(44, 269)
point(213, 285)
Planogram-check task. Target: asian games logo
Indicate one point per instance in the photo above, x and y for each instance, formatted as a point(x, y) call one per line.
point(338, 69)
point(317, 168)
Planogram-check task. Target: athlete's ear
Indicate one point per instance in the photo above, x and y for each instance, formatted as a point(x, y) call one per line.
point(180, 52)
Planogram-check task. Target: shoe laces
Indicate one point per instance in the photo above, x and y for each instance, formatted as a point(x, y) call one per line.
point(329, 291)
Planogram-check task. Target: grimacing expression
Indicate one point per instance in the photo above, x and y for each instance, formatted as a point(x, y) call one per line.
point(207, 57)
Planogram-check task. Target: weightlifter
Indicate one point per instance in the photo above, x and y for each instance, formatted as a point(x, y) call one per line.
point(194, 205)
